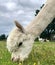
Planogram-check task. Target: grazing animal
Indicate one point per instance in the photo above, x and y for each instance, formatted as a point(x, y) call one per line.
point(20, 40)
point(41, 40)
point(19, 43)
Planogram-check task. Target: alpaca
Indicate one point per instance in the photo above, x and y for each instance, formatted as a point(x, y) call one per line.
point(20, 40)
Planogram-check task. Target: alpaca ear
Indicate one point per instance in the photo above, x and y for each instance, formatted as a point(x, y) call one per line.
point(19, 26)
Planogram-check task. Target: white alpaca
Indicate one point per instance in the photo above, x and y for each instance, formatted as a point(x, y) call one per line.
point(41, 40)
point(20, 41)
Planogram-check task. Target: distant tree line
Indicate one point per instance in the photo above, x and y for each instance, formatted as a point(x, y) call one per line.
point(3, 37)
point(49, 32)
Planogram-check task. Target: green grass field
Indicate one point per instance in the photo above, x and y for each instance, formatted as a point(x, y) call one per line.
point(42, 54)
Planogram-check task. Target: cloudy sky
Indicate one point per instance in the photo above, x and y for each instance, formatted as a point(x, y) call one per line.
point(20, 10)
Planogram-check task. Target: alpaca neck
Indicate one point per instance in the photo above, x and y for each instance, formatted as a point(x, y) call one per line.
point(43, 19)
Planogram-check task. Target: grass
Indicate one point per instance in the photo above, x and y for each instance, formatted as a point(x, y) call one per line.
point(42, 54)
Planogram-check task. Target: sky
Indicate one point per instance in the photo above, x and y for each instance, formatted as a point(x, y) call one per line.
point(21, 10)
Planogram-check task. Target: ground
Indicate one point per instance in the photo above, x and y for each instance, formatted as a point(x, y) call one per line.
point(43, 53)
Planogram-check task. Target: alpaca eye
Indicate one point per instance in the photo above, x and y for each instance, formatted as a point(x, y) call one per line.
point(20, 44)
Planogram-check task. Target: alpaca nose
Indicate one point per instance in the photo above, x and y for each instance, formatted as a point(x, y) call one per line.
point(12, 59)
point(15, 59)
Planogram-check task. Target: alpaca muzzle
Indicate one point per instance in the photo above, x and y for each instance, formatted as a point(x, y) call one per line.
point(15, 59)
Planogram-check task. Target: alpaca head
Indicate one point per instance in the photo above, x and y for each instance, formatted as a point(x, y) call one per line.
point(19, 43)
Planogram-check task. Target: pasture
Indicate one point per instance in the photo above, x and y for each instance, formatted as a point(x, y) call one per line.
point(41, 54)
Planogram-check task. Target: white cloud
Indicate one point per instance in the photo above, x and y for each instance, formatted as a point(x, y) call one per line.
point(10, 5)
point(20, 12)
point(6, 15)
